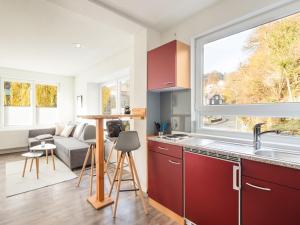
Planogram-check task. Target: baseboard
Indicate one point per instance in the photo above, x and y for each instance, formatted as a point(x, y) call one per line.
point(13, 150)
point(166, 211)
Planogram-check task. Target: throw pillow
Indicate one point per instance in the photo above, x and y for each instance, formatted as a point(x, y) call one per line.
point(59, 127)
point(78, 130)
point(67, 131)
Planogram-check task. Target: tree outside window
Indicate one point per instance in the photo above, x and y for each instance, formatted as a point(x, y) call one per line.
point(257, 66)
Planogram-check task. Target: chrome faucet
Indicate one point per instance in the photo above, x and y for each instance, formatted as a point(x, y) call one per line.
point(257, 135)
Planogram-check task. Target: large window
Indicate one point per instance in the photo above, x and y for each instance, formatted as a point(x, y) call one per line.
point(115, 96)
point(28, 103)
point(249, 76)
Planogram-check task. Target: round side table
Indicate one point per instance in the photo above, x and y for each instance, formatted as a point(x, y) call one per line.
point(45, 148)
point(32, 156)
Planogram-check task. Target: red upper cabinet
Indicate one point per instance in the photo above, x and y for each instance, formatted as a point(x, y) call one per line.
point(169, 66)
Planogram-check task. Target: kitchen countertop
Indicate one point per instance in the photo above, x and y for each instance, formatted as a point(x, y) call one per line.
point(236, 149)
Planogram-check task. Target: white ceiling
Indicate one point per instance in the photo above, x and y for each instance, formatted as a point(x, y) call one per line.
point(158, 14)
point(38, 35)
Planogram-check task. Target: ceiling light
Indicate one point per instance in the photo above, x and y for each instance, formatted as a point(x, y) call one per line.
point(77, 45)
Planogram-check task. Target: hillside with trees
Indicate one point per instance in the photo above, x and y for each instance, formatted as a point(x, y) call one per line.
point(270, 75)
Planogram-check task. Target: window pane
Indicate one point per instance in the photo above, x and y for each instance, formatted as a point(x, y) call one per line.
point(109, 99)
point(287, 126)
point(124, 94)
point(259, 65)
point(16, 94)
point(46, 95)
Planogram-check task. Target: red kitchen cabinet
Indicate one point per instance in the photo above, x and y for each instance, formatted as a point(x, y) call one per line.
point(165, 180)
point(168, 66)
point(270, 195)
point(266, 203)
point(211, 197)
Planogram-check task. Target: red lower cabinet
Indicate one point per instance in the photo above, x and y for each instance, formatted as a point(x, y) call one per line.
point(165, 181)
point(266, 203)
point(270, 195)
point(210, 197)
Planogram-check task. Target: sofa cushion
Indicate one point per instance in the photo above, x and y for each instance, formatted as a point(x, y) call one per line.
point(70, 143)
point(36, 132)
point(59, 127)
point(67, 131)
point(78, 130)
point(43, 136)
point(71, 151)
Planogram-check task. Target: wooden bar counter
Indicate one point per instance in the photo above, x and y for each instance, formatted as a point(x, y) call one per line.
point(99, 200)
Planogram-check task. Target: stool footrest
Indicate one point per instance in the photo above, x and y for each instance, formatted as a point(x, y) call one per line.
point(129, 179)
point(125, 190)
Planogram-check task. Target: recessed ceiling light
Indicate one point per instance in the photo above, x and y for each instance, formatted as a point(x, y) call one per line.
point(77, 45)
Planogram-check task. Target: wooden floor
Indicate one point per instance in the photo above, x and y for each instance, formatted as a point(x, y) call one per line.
point(64, 204)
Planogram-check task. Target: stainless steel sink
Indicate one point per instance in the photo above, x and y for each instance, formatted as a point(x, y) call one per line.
point(279, 154)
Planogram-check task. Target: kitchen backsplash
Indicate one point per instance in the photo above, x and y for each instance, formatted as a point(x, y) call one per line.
point(175, 107)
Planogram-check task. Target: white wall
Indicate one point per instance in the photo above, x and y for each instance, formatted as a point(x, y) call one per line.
point(17, 138)
point(218, 15)
point(144, 41)
point(111, 68)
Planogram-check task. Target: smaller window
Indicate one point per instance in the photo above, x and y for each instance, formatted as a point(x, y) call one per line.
point(16, 94)
point(46, 104)
point(109, 98)
point(17, 104)
point(46, 96)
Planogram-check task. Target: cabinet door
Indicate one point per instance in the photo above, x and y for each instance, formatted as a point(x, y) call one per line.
point(265, 203)
point(165, 183)
point(209, 195)
point(162, 67)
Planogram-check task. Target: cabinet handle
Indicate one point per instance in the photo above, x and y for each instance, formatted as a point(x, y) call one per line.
point(168, 83)
point(235, 171)
point(162, 148)
point(258, 187)
point(176, 163)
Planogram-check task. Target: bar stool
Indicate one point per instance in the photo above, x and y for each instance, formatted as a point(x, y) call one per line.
point(90, 151)
point(127, 142)
point(114, 127)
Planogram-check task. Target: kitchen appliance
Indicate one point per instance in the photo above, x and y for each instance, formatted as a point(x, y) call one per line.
point(212, 188)
point(176, 137)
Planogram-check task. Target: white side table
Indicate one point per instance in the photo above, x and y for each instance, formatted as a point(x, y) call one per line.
point(45, 148)
point(32, 156)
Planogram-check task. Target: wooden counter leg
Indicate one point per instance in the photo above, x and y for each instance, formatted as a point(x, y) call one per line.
point(99, 201)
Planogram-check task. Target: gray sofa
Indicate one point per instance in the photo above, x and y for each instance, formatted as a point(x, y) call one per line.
point(70, 150)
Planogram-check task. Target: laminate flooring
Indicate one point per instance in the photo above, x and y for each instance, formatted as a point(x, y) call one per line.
point(65, 204)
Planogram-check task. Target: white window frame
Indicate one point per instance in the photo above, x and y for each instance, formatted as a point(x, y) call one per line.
point(32, 101)
point(260, 110)
point(117, 83)
point(35, 108)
